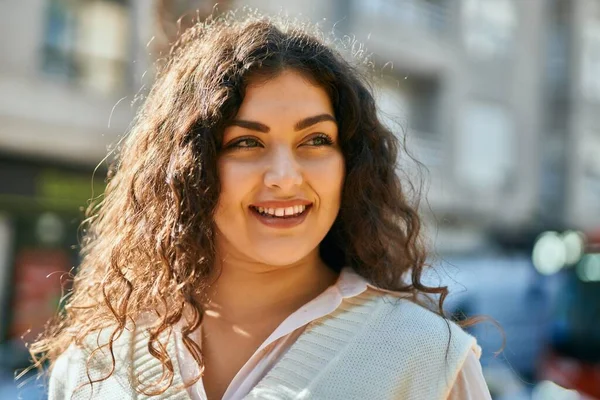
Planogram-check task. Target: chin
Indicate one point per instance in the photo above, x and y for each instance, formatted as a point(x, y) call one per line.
point(282, 256)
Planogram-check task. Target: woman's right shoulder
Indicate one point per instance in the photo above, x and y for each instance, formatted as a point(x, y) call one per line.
point(91, 360)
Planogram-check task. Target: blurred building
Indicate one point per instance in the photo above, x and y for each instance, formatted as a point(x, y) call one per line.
point(499, 99)
point(464, 78)
point(473, 107)
point(72, 74)
point(64, 66)
point(573, 105)
point(69, 71)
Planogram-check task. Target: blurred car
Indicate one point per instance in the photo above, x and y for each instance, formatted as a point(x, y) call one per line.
point(572, 358)
point(512, 293)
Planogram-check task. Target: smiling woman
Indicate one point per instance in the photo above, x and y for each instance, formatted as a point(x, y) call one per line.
point(255, 241)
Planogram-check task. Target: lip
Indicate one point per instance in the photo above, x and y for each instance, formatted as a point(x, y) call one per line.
point(282, 203)
point(278, 222)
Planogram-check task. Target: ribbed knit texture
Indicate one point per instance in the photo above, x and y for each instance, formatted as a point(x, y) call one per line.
point(132, 359)
point(374, 346)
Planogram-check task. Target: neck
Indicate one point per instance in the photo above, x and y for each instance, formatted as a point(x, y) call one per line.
point(247, 293)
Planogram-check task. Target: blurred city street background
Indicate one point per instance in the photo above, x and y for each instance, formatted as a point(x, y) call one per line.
point(499, 99)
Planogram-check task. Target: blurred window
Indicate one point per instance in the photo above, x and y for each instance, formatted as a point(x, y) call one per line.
point(590, 152)
point(485, 146)
point(557, 48)
point(589, 188)
point(590, 61)
point(431, 15)
point(412, 106)
point(489, 27)
point(87, 42)
point(557, 59)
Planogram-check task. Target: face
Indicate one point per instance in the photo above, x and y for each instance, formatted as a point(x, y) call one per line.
point(281, 172)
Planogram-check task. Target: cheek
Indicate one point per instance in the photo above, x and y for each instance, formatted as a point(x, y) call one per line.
point(236, 179)
point(326, 175)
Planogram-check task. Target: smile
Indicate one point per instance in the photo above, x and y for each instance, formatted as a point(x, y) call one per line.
point(293, 211)
point(281, 217)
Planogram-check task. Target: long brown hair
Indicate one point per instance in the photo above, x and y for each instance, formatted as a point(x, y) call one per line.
point(148, 245)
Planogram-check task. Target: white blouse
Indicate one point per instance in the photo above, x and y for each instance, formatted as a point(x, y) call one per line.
point(469, 385)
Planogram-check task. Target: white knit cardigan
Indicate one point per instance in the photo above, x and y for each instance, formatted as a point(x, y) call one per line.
point(374, 346)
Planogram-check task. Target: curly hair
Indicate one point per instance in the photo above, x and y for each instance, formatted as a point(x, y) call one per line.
point(149, 246)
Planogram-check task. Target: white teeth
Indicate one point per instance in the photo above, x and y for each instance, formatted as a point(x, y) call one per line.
point(280, 212)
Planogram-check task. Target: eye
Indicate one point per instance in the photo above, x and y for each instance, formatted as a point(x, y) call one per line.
point(320, 140)
point(244, 143)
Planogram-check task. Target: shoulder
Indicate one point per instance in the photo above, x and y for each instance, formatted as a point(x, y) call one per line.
point(399, 314)
point(92, 361)
point(396, 315)
point(406, 350)
point(396, 325)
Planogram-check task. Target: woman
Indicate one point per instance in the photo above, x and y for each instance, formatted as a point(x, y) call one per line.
point(255, 241)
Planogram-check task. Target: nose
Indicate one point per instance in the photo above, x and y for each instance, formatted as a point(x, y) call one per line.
point(283, 171)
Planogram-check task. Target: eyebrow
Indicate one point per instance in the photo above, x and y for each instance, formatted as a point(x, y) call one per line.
point(300, 125)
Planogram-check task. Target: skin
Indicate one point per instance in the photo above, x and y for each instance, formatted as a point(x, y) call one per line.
point(265, 273)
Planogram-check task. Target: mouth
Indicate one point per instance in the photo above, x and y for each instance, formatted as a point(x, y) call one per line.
point(281, 217)
point(282, 212)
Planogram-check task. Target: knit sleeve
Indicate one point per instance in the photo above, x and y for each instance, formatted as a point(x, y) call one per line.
point(470, 383)
point(66, 374)
point(70, 376)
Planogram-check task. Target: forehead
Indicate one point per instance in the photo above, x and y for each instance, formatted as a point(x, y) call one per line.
point(289, 94)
